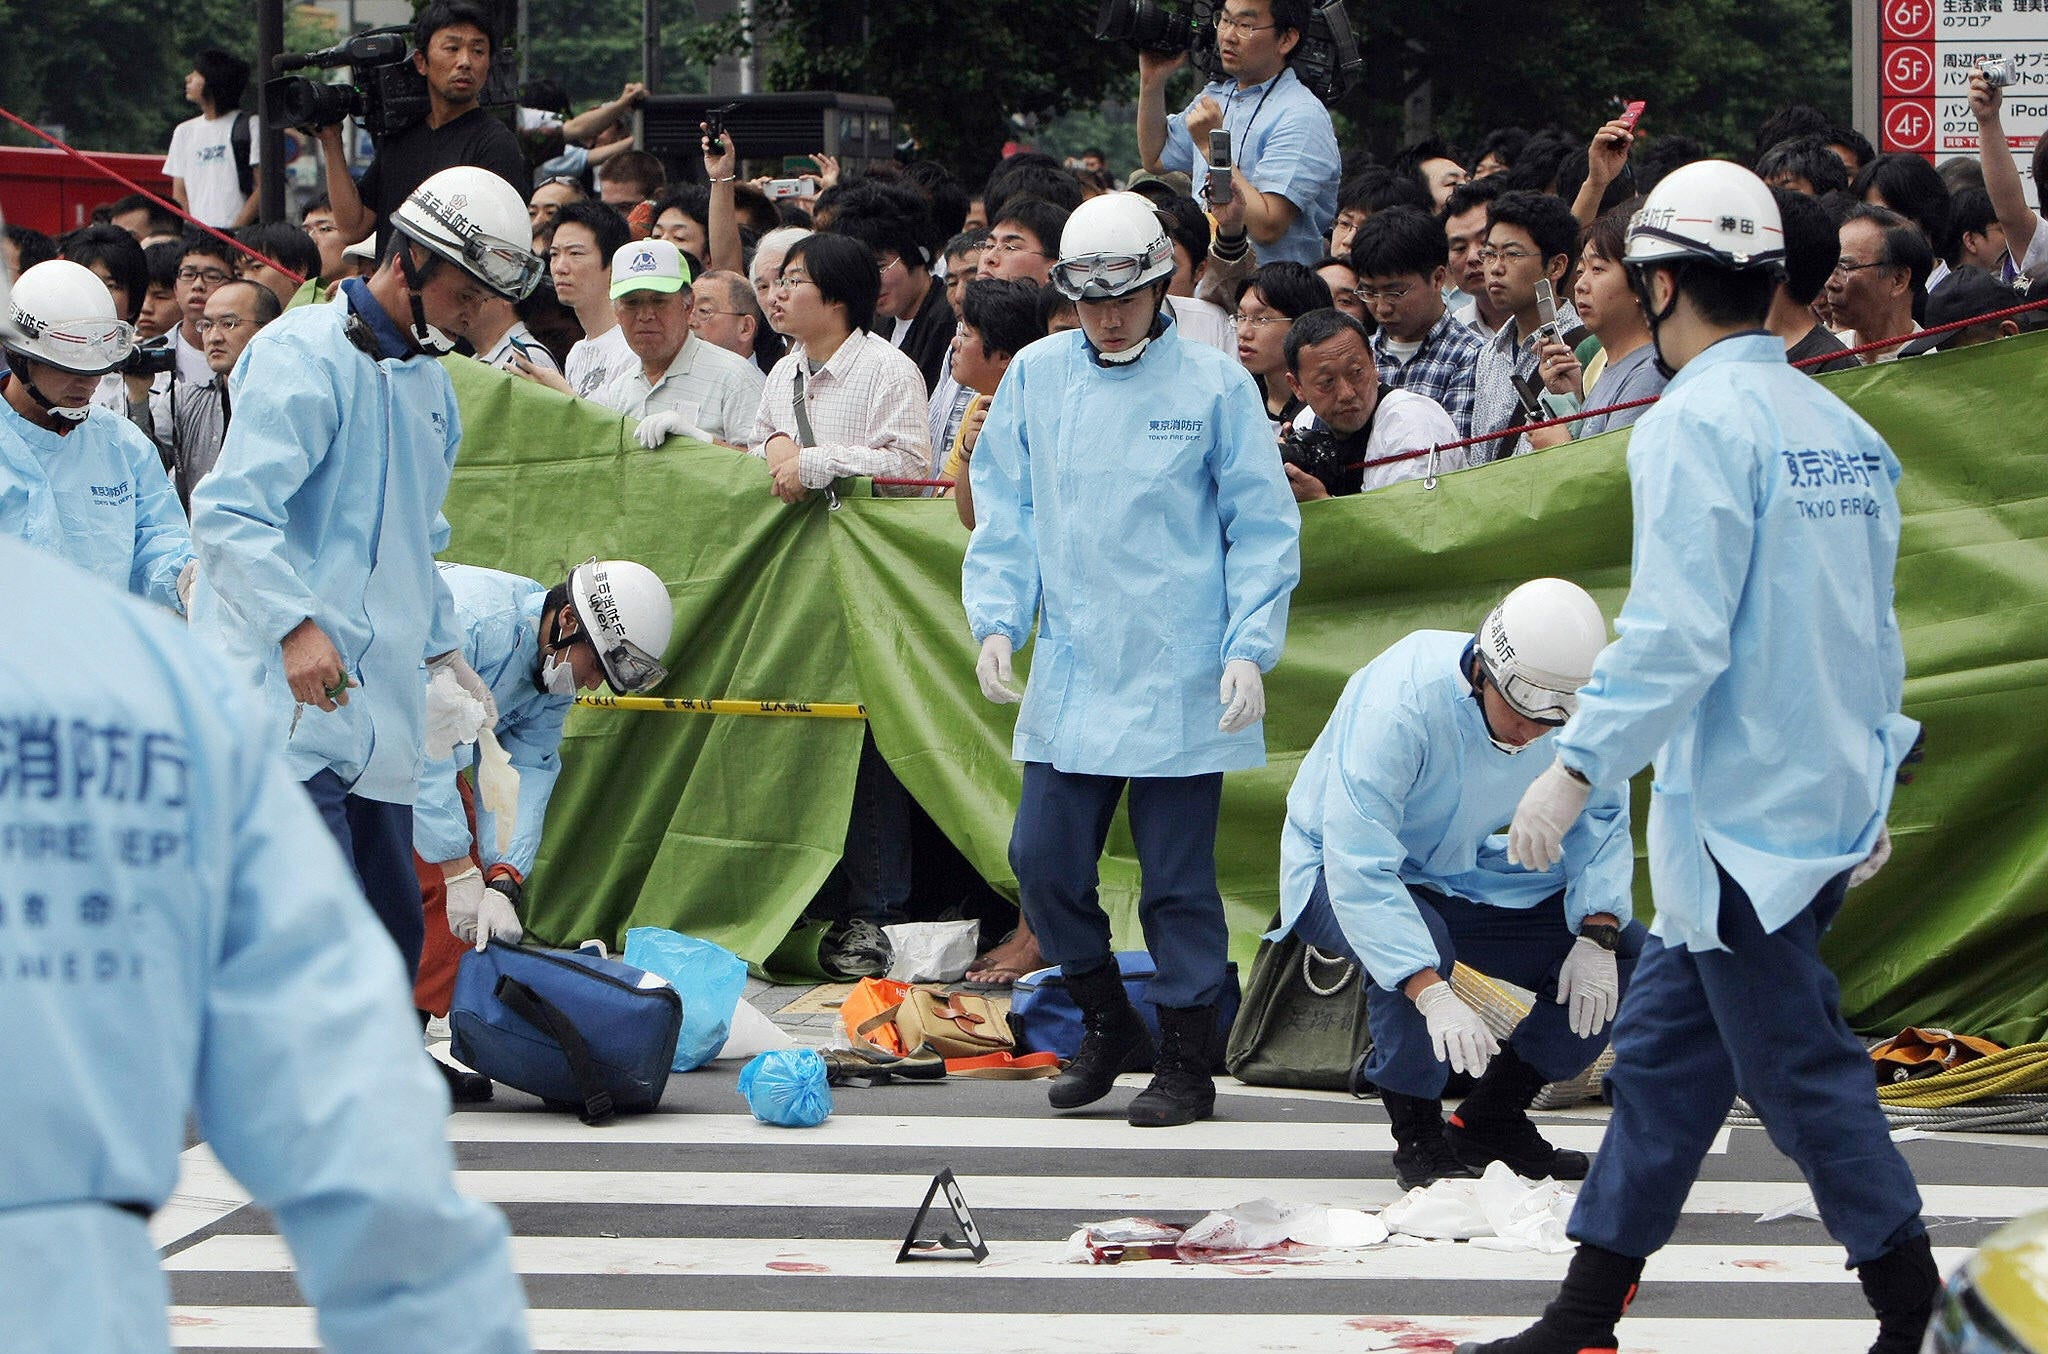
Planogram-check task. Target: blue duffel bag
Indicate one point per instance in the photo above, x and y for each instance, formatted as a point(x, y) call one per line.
point(1045, 1019)
point(583, 1033)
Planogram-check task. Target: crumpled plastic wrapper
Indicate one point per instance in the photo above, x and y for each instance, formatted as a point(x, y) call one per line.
point(1498, 1211)
point(497, 783)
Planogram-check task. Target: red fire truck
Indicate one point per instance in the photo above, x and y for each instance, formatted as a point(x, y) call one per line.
point(54, 192)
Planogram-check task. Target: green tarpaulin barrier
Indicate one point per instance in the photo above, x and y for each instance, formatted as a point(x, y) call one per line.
point(725, 827)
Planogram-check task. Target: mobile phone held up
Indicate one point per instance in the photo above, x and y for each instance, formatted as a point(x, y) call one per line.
point(1219, 167)
point(714, 126)
point(1632, 112)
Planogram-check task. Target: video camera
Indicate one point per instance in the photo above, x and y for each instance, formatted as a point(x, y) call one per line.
point(1326, 59)
point(384, 90)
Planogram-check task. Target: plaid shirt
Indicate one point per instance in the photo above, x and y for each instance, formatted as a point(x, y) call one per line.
point(866, 408)
point(1445, 368)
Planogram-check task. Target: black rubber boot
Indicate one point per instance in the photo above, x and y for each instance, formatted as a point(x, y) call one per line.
point(1902, 1286)
point(1493, 1124)
point(1580, 1320)
point(1182, 1089)
point(1114, 1041)
point(464, 1088)
point(1421, 1155)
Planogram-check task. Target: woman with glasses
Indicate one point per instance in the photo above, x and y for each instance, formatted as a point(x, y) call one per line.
point(1271, 301)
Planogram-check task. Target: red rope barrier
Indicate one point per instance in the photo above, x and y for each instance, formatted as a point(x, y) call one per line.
point(1418, 452)
point(165, 203)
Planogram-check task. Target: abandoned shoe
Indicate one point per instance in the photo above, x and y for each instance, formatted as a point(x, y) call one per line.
point(855, 949)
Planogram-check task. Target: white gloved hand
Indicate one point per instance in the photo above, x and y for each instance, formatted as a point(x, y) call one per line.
point(476, 686)
point(992, 670)
point(1589, 984)
point(465, 900)
point(1242, 694)
point(453, 716)
point(497, 919)
point(186, 577)
point(497, 785)
point(658, 428)
point(1457, 1033)
point(1880, 852)
point(1548, 809)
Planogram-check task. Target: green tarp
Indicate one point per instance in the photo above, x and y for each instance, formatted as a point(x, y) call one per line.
point(724, 827)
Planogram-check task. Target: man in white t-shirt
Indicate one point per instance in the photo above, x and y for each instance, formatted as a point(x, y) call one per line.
point(206, 178)
point(584, 237)
point(1351, 419)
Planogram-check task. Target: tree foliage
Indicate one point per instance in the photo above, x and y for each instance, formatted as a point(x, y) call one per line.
point(592, 48)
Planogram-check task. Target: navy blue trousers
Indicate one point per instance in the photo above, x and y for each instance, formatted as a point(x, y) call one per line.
point(1055, 847)
point(377, 839)
point(1523, 946)
point(1760, 1019)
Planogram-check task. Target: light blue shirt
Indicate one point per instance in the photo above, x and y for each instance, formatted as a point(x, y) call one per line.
point(326, 504)
point(1403, 787)
point(499, 616)
point(1139, 514)
point(98, 496)
point(182, 940)
point(1759, 662)
point(1282, 138)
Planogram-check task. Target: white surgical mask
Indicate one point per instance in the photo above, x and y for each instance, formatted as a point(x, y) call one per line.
point(557, 678)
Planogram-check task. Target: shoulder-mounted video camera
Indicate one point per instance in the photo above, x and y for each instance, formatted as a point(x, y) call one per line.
point(1326, 59)
point(384, 91)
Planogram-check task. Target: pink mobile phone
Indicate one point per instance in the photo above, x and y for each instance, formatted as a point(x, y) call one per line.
point(1631, 113)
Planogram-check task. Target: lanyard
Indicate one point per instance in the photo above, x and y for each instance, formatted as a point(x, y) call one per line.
point(1237, 139)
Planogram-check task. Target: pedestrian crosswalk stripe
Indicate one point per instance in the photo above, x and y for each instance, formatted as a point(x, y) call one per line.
point(939, 1131)
point(650, 1331)
point(775, 1258)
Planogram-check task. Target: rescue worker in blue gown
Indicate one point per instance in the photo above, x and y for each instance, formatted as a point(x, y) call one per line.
point(1393, 856)
point(75, 479)
point(536, 647)
point(183, 943)
point(1759, 665)
point(1130, 500)
point(317, 529)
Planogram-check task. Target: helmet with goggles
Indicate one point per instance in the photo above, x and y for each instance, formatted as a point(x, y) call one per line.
point(1537, 648)
point(61, 314)
point(478, 222)
point(625, 610)
point(1112, 245)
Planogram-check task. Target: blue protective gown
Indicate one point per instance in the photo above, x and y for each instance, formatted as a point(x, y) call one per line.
point(1766, 531)
point(326, 503)
point(1140, 514)
point(98, 496)
point(1403, 787)
point(499, 616)
point(179, 938)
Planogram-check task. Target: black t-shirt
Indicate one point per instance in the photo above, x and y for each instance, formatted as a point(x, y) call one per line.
point(1817, 342)
point(419, 152)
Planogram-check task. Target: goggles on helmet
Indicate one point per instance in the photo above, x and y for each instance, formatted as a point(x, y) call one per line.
point(1096, 277)
point(1538, 704)
point(512, 270)
point(627, 667)
point(83, 347)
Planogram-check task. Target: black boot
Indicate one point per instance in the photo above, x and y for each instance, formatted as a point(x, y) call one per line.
point(1492, 1124)
point(1421, 1155)
point(464, 1088)
point(1902, 1286)
point(1581, 1318)
point(1115, 1040)
point(1182, 1088)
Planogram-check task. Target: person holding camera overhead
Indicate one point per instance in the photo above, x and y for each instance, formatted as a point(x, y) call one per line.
point(1282, 142)
point(454, 42)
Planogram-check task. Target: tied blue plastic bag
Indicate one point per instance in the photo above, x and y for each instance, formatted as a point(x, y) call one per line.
point(710, 978)
point(787, 1088)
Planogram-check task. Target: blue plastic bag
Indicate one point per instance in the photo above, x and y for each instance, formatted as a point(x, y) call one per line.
point(709, 977)
point(787, 1088)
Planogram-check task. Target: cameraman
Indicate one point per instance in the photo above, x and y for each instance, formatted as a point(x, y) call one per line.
point(454, 42)
point(1282, 143)
point(1351, 417)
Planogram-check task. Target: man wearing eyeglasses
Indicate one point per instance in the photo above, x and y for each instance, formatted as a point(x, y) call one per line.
point(197, 415)
point(1401, 257)
point(1883, 266)
point(203, 264)
point(1282, 141)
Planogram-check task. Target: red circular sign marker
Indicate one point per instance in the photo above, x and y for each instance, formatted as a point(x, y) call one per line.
point(1905, 20)
point(1909, 126)
point(1909, 71)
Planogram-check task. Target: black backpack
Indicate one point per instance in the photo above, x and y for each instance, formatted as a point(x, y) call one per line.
point(238, 143)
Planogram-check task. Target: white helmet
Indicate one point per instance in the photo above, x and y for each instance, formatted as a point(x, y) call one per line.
point(62, 314)
point(1709, 210)
point(476, 221)
point(1112, 245)
point(1538, 647)
point(626, 612)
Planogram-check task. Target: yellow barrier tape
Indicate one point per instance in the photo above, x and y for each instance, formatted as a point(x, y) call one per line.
point(685, 706)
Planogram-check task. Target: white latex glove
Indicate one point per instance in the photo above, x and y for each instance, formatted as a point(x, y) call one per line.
point(1589, 984)
point(1880, 852)
point(453, 716)
point(658, 428)
point(497, 919)
point(1242, 694)
point(465, 898)
point(497, 785)
point(186, 576)
point(477, 687)
point(1547, 811)
point(1457, 1033)
point(992, 670)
